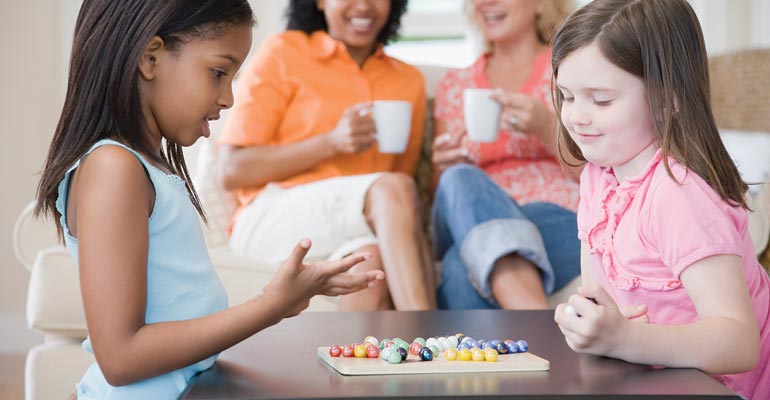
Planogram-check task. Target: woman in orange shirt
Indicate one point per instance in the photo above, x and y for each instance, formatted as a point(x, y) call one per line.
point(299, 148)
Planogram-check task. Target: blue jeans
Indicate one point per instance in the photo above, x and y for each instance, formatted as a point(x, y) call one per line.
point(476, 222)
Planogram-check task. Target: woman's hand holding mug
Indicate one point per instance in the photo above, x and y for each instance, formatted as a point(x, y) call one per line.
point(524, 113)
point(355, 132)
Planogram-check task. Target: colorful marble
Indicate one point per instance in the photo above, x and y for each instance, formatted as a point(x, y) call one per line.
point(372, 351)
point(394, 358)
point(490, 355)
point(402, 351)
point(371, 339)
point(415, 347)
point(359, 351)
point(426, 354)
point(477, 354)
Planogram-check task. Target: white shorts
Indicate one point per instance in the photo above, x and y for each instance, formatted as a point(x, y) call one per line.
point(329, 212)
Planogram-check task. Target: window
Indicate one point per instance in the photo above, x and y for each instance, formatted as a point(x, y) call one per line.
point(433, 32)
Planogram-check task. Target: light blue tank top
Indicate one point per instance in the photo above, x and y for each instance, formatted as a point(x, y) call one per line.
point(181, 281)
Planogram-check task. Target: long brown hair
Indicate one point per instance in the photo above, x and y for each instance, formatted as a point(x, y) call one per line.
point(102, 99)
point(661, 42)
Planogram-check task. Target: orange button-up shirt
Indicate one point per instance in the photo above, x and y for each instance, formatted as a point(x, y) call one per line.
point(297, 86)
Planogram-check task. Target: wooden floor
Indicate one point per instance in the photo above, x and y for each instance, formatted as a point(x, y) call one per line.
point(12, 376)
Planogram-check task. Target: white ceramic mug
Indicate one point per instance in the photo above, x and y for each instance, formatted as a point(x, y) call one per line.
point(482, 115)
point(393, 119)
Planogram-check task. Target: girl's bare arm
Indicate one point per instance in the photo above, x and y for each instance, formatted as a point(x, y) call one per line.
point(113, 196)
point(725, 339)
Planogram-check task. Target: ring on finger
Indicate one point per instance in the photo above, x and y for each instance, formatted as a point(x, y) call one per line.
point(512, 120)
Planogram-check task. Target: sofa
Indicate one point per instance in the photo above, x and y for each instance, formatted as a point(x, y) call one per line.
point(54, 307)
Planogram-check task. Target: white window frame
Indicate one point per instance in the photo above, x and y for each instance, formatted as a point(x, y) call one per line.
point(434, 38)
point(439, 25)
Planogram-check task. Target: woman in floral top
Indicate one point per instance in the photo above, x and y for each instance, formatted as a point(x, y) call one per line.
point(504, 212)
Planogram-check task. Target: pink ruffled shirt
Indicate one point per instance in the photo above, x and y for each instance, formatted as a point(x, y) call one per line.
point(517, 162)
point(643, 232)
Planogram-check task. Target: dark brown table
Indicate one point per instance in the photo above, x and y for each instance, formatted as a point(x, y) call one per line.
point(281, 362)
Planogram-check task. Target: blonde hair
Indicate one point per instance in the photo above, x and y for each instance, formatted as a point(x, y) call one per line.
point(547, 22)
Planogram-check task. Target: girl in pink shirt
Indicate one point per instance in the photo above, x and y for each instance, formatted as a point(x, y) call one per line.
point(670, 275)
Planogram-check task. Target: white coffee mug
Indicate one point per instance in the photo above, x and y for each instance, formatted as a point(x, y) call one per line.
point(482, 115)
point(393, 120)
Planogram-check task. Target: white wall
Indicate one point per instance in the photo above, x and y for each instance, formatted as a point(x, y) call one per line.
point(30, 80)
point(726, 23)
point(35, 37)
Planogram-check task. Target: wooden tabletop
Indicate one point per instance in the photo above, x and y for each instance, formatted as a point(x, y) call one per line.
point(281, 362)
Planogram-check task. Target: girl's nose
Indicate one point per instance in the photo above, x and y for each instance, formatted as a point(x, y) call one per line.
point(226, 97)
point(579, 116)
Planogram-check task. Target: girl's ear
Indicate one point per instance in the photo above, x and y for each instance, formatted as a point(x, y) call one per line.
point(149, 58)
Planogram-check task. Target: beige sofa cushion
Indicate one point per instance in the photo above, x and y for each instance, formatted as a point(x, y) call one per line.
point(53, 369)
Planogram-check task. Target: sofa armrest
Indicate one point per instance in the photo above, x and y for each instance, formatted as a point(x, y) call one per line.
point(54, 305)
point(31, 235)
point(53, 369)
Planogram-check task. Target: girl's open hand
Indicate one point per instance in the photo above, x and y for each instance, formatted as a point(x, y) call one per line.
point(448, 150)
point(595, 326)
point(355, 131)
point(295, 282)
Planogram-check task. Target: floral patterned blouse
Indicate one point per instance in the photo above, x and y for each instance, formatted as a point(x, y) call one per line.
point(517, 161)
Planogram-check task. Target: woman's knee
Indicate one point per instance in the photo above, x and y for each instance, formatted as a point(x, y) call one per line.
point(459, 176)
point(392, 192)
point(462, 186)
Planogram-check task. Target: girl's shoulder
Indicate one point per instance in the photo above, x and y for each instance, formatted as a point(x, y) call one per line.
point(109, 176)
point(112, 158)
point(683, 190)
point(678, 179)
point(111, 164)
